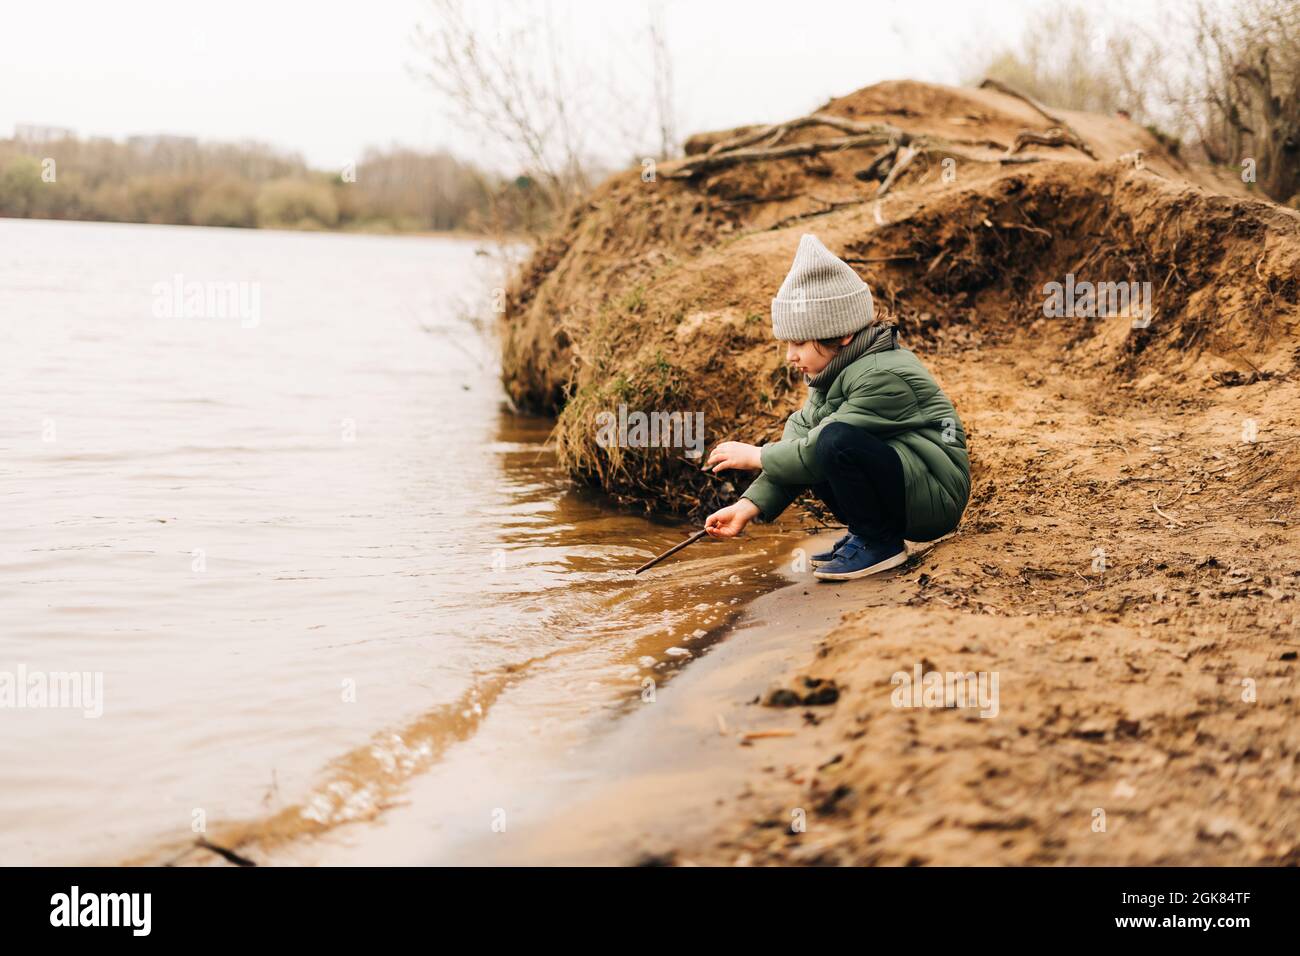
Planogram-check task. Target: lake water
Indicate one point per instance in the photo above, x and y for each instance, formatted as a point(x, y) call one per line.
point(305, 547)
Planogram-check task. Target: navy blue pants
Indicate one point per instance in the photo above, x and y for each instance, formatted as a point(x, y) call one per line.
point(864, 482)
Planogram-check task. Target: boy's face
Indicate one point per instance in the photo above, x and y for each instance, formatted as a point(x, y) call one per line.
point(810, 357)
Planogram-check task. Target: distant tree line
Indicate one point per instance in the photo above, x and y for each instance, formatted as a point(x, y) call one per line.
point(182, 181)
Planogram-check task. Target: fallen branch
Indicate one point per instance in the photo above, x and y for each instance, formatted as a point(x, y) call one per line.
point(1015, 225)
point(992, 84)
point(728, 204)
point(230, 856)
point(942, 150)
point(741, 149)
point(798, 217)
point(765, 734)
point(906, 156)
point(1170, 518)
point(932, 149)
point(777, 131)
point(710, 161)
point(878, 166)
point(1056, 136)
point(834, 204)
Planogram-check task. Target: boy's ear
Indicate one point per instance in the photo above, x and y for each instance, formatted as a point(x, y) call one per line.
point(845, 340)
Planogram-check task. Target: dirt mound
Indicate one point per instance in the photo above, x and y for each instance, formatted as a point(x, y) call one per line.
point(655, 293)
point(1127, 561)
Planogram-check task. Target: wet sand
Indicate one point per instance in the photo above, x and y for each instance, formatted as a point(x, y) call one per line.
point(513, 751)
point(668, 772)
point(671, 771)
point(1109, 745)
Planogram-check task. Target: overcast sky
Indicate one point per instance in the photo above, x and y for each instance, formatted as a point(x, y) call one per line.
point(327, 78)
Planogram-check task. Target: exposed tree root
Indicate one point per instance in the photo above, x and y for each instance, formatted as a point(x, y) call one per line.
point(1053, 137)
point(776, 132)
point(721, 160)
point(881, 165)
point(906, 156)
point(902, 148)
point(1074, 139)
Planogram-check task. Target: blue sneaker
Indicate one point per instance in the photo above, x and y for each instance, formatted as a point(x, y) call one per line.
point(825, 557)
point(858, 558)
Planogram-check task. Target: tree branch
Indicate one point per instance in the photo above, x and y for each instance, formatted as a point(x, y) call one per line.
point(1078, 142)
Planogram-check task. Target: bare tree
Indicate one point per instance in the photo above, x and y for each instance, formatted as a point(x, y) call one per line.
point(1225, 77)
point(1248, 91)
point(1065, 59)
point(510, 88)
point(663, 83)
point(526, 89)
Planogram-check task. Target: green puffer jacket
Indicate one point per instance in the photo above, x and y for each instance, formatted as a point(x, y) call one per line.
point(891, 395)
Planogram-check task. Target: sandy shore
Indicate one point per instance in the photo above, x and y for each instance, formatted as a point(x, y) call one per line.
point(1125, 568)
point(678, 771)
point(667, 766)
point(1144, 653)
point(1144, 657)
point(1104, 747)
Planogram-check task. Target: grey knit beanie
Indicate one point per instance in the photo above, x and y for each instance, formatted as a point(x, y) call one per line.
point(822, 296)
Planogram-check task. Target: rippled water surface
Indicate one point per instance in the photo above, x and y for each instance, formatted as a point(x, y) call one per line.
point(307, 551)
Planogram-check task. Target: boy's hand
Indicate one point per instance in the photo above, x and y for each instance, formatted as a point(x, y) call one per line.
point(735, 454)
point(731, 520)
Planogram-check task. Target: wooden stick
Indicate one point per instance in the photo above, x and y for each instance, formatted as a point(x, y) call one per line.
point(1167, 517)
point(229, 855)
point(671, 551)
